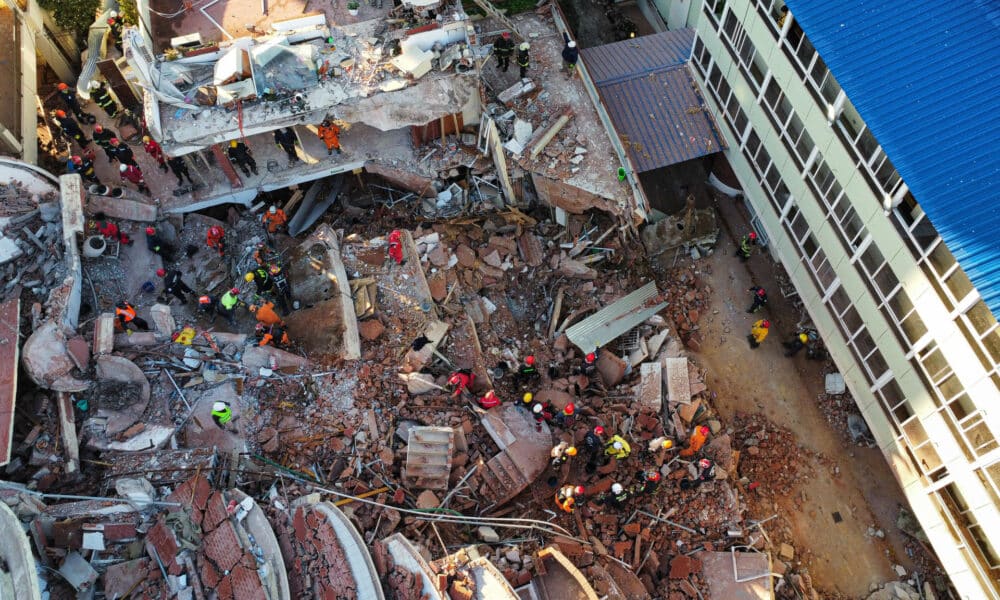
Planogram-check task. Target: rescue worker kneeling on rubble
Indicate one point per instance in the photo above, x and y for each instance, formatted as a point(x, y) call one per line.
point(274, 335)
point(489, 400)
point(618, 497)
point(617, 448)
point(127, 316)
point(647, 482)
point(460, 381)
point(561, 453)
point(221, 413)
point(567, 495)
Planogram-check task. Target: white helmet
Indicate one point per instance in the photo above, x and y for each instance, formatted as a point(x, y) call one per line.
point(113, 14)
point(617, 446)
point(94, 84)
point(572, 44)
point(525, 46)
point(122, 168)
point(273, 209)
point(616, 488)
point(219, 406)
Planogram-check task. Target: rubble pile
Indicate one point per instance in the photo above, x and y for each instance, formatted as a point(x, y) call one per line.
point(31, 241)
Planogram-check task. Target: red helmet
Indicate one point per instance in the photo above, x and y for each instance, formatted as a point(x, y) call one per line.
point(752, 236)
point(505, 35)
point(529, 360)
point(204, 300)
point(61, 114)
point(761, 292)
point(150, 231)
point(76, 160)
point(161, 272)
point(704, 430)
point(653, 475)
point(215, 230)
point(765, 324)
point(490, 394)
point(395, 235)
point(455, 379)
point(578, 489)
point(570, 409)
point(98, 128)
point(235, 290)
point(599, 430)
point(62, 87)
point(704, 463)
point(591, 357)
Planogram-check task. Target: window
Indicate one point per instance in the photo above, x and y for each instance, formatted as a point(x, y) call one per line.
point(810, 67)
point(770, 12)
point(742, 50)
point(702, 58)
point(980, 326)
point(713, 10)
point(891, 397)
point(871, 160)
point(966, 519)
point(923, 450)
point(786, 123)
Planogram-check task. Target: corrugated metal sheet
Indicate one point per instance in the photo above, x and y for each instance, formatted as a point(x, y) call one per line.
point(638, 56)
point(652, 99)
point(607, 324)
point(924, 77)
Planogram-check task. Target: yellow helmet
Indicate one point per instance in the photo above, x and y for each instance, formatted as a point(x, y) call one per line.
point(528, 397)
point(571, 450)
point(232, 144)
point(248, 277)
point(667, 444)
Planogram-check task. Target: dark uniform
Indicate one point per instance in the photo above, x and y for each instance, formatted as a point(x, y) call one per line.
point(281, 286)
point(759, 298)
point(262, 280)
point(103, 139)
point(85, 169)
point(103, 99)
point(179, 169)
point(286, 139)
point(69, 98)
point(172, 284)
point(124, 154)
point(523, 60)
point(503, 48)
point(239, 154)
point(71, 129)
point(115, 24)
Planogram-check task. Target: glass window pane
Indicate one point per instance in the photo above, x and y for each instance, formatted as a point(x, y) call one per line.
point(959, 284)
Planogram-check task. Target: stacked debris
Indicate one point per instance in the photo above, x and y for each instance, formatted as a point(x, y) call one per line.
point(31, 241)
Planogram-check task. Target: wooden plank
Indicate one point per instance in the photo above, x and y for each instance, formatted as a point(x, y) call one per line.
point(9, 357)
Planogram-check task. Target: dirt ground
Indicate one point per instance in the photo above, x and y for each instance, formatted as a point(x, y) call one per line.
point(850, 480)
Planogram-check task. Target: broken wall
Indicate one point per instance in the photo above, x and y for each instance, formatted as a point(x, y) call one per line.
point(569, 198)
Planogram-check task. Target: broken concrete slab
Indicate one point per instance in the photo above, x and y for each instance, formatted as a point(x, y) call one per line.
point(47, 361)
point(678, 383)
point(649, 393)
point(366, 582)
point(737, 576)
point(611, 368)
point(419, 383)
point(162, 319)
point(121, 209)
point(428, 457)
point(67, 429)
point(15, 552)
point(255, 357)
point(9, 355)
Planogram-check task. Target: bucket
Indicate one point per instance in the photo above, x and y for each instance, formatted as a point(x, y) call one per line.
point(94, 246)
point(100, 190)
point(118, 193)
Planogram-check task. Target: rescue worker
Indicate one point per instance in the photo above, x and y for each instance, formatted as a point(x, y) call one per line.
point(618, 497)
point(758, 332)
point(460, 381)
point(527, 369)
point(173, 285)
point(123, 153)
point(285, 139)
point(69, 99)
point(567, 495)
point(705, 472)
point(489, 400)
point(273, 335)
point(228, 304)
point(221, 413)
point(570, 54)
point(127, 316)
point(522, 58)
point(264, 255)
point(110, 230)
point(503, 48)
point(396, 246)
point(85, 167)
point(647, 482)
point(330, 134)
point(542, 412)
point(283, 291)
point(660, 443)
point(561, 453)
point(103, 99)
point(239, 155)
point(207, 305)
point(589, 364)
point(617, 447)
point(262, 280)
point(103, 138)
point(797, 343)
point(274, 219)
point(134, 174)
point(593, 443)
point(265, 314)
point(70, 128)
point(153, 149)
point(696, 441)
point(215, 238)
point(567, 416)
point(179, 169)
point(746, 241)
point(156, 244)
point(759, 298)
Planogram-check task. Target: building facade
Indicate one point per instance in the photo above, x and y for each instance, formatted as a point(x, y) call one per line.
point(917, 343)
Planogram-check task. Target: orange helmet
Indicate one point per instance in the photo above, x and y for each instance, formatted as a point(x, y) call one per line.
point(571, 450)
point(62, 87)
point(61, 114)
point(204, 300)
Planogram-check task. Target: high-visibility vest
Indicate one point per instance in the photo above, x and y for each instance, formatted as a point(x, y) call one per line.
point(229, 300)
point(128, 312)
point(225, 415)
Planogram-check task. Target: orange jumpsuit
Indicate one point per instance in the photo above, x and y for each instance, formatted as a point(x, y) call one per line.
point(274, 221)
point(330, 134)
point(266, 315)
point(695, 443)
point(216, 239)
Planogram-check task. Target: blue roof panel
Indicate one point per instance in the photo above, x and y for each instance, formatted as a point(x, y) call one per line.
point(652, 99)
point(925, 77)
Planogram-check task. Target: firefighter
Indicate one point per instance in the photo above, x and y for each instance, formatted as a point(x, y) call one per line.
point(207, 305)
point(174, 285)
point(265, 314)
point(503, 48)
point(70, 128)
point(153, 149)
point(271, 335)
point(115, 25)
point(215, 238)
point(330, 134)
point(134, 174)
point(85, 167)
point(797, 343)
point(103, 138)
point(696, 441)
point(261, 278)
point(69, 98)
point(110, 230)
point(239, 155)
point(274, 219)
point(759, 298)
point(561, 453)
point(265, 255)
point(396, 246)
point(748, 240)
point(285, 139)
point(103, 99)
point(593, 443)
point(489, 400)
point(228, 304)
point(618, 497)
point(527, 369)
point(758, 332)
point(156, 244)
point(589, 364)
point(283, 291)
point(570, 55)
point(617, 447)
point(221, 413)
point(460, 381)
point(705, 472)
point(180, 170)
point(542, 411)
point(567, 416)
point(660, 443)
point(567, 495)
point(647, 482)
point(522, 58)
point(123, 153)
point(127, 316)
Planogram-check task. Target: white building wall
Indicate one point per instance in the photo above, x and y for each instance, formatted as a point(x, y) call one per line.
point(931, 431)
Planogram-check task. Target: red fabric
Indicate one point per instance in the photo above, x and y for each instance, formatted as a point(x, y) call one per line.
point(154, 150)
point(464, 381)
point(396, 252)
point(489, 401)
point(214, 240)
point(133, 174)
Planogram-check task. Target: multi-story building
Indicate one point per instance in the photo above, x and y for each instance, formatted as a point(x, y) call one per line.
point(861, 135)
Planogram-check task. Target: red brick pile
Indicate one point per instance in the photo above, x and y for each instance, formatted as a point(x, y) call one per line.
point(316, 563)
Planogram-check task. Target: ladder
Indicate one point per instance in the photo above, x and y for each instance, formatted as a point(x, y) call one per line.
point(492, 11)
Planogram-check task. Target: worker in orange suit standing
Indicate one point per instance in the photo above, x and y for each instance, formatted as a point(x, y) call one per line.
point(216, 239)
point(330, 134)
point(696, 441)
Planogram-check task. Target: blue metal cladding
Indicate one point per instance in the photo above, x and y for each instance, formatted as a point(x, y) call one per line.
point(925, 77)
point(652, 99)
